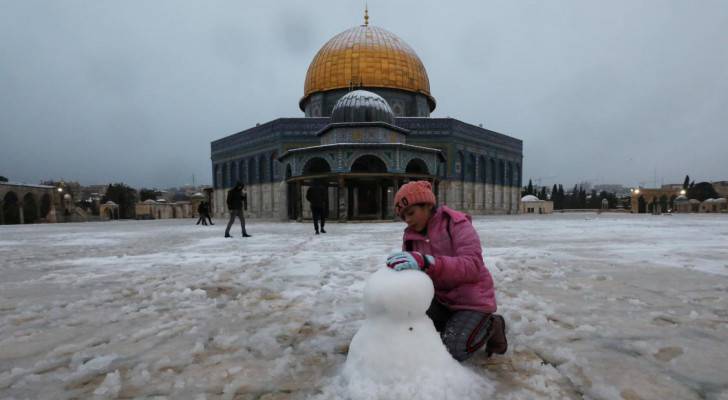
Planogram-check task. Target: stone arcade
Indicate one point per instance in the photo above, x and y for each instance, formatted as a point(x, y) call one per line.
point(367, 129)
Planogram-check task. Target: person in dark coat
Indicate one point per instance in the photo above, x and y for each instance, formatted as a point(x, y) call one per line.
point(318, 196)
point(237, 201)
point(207, 213)
point(201, 213)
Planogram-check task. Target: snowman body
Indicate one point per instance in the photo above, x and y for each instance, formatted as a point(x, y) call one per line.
point(397, 353)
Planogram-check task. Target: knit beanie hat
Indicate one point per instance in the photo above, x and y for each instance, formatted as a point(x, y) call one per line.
point(417, 192)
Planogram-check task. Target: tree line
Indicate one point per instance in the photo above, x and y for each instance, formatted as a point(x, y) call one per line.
point(577, 198)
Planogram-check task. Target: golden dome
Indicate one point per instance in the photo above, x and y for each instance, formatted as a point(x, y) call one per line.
point(367, 56)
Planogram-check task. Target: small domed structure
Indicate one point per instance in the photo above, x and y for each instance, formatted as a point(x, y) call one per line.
point(362, 106)
point(531, 204)
point(681, 204)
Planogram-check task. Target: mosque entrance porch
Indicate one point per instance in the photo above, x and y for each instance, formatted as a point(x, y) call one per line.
point(351, 197)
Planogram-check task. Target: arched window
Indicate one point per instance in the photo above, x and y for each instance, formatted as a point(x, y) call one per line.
point(225, 176)
point(369, 163)
point(11, 210)
point(397, 110)
point(663, 203)
point(216, 177)
point(501, 172)
point(251, 170)
point(242, 173)
point(233, 173)
point(316, 165)
point(509, 174)
point(470, 167)
point(482, 170)
point(274, 165)
point(30, 209)
point(45, 205)
point(460, 166)
point(416, 166)
point(263, 168)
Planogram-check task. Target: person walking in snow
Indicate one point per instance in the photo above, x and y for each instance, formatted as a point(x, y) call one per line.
point(207, 212)
point(443, 243)
point(237, 201)
point(318, 195)
point(203, 211)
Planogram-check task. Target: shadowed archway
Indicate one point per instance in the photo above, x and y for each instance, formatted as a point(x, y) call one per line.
point(11, 209)
point(30, 209)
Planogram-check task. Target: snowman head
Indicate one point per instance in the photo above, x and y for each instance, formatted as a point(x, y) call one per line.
point(399, 295)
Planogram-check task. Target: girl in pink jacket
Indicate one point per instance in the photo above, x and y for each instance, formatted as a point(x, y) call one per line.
point(442, 243)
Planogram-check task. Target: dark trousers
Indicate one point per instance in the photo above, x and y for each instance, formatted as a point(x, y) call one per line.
point(233, 214)
point(201, 219)
point(462, 331)
point(208, 218)
point(319, 213)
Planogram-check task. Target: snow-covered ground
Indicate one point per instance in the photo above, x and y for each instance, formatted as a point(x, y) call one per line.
point(598, 306)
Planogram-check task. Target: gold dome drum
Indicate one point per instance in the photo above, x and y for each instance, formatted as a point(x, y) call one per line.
point(370, 57)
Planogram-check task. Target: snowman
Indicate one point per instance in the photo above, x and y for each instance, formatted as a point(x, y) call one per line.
point(397, 353)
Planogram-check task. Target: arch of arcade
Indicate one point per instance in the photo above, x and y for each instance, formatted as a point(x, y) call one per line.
point(26, 204)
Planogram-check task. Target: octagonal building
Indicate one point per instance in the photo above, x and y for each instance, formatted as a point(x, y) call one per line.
point(367, 130)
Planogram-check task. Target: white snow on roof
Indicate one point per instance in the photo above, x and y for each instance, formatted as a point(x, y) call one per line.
point(530, 197)
point(30, 185)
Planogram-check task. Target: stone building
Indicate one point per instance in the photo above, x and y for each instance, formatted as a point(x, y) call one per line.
point(109, 211)
point(151, 209)
point(721, 187)
point(531, 204)
point(473, 169)
point(654, 201)
point(673, 199)
point(22, 203)
point(714, 205)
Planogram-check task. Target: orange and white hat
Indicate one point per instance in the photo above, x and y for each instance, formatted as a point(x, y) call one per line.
point(417, 192)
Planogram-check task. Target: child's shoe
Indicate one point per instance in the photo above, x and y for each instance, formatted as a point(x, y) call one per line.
point(497, 342)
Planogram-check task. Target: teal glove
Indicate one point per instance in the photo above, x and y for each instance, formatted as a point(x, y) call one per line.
point(410, 260)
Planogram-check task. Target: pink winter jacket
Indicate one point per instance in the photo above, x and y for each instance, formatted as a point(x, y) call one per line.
point(461, 280)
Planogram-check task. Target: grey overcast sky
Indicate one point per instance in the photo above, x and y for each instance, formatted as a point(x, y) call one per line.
point(604, 91)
